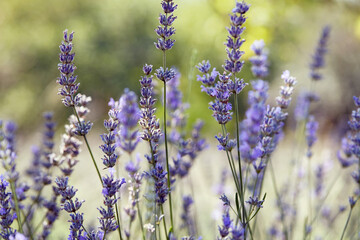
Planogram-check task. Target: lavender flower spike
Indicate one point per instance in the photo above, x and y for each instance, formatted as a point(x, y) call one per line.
point(311, 127)
point(111, 186)
point(259, 61)
point(233, 43)
point(318, 61)
point(166, 30)
point(71, 206)
point(286, 91)
point(66, 67)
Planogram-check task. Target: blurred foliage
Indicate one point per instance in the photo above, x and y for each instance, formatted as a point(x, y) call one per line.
point(114, 38)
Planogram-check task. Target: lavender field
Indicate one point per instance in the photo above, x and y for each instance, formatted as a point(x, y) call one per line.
point(180, 120)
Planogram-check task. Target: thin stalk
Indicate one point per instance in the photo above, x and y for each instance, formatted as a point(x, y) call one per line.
point(346, 224)
point(39, 224)
point(32, 205)
point(280, 201)
point(118, 220)
point(140, 220)
point(165, 228)
point(88, 147)
point(324, 199)
point(241, 185)
point(166, 149)
point(103, 238)
point(17, 209)
point(30, 233)
point(310, 189)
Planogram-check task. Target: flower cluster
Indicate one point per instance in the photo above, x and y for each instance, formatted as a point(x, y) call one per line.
point(66, 67)
point(351, 144)
point(110, 157)
point(250, 149)
point(128, 115)
point(259, 62)
point(166, 30)
point(318, 61)
point(111, 186)
point(161, 189)
point(148, 121)
point(311, 128)
point(71, 206)
point(233, 64)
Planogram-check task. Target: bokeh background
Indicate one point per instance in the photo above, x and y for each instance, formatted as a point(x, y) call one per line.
point(114, 38)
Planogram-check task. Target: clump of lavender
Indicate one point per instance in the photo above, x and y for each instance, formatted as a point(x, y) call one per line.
point(318, 61)
point(7, 217)
point(71, 206)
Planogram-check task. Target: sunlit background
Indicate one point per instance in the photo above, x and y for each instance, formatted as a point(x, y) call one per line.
point(115, 38)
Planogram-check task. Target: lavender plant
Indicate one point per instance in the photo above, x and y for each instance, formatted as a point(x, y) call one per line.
point(248, 139)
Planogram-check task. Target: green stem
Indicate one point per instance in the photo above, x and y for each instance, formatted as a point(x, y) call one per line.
point(165, 228)
point(280, 201)
point(346, 224)
point(32, 205)
point(88, 147)
point(166, 150)
point(118, 220)
point(140, 220)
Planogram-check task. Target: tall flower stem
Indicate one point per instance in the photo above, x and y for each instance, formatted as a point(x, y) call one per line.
point(118, 220)
point(140, 220)
point(88, 147)
point(346, 224)
point(239, 157)
point(165, 228)
point(166, 150)
point(280, 201)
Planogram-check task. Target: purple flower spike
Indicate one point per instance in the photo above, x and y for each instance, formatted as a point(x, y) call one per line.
point(71, 206)
point(111, 186)
point(165, 30)
point(286, 91)
point(234, 64)
point(67, 68)
point(311, 128)
point(318, 61)
point(259, 61)
point(224, 230)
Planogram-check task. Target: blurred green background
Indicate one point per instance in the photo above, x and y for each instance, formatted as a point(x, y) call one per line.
point(114, 38)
